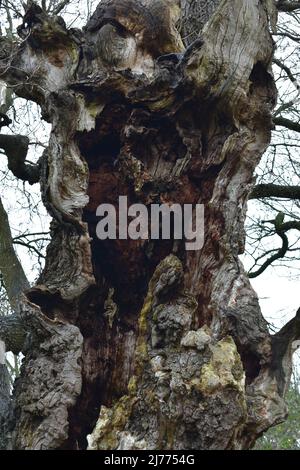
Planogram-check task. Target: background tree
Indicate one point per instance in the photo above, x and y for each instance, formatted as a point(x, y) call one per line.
point(145, 333)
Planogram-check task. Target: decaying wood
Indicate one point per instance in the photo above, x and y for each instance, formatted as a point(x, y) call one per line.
point(140, 344)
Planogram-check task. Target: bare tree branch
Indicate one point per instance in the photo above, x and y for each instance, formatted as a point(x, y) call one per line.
point(274, 190)
point(291, 225)
point(16, 147)
point(60, 6)
point(279, 254)
point(287, 71)
point(284, 122)
point(288, 35)
point(287, 6)
point(280, 229)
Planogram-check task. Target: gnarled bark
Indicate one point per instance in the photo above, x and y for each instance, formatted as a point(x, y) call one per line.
point(141, 344)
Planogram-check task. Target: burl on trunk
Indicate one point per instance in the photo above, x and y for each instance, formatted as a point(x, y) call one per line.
point(141, 344)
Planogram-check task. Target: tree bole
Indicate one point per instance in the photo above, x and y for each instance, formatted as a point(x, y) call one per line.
point(142, 344)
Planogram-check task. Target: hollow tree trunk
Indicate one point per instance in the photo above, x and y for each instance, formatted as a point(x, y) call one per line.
point(141, 344)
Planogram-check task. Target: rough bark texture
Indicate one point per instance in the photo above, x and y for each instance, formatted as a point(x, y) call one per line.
point(140, 344)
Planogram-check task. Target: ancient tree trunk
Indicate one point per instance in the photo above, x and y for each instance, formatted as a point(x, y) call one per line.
point(142, 344)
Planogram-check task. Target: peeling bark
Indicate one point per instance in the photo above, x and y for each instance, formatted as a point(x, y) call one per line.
point(142, 344)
